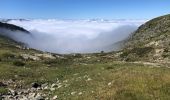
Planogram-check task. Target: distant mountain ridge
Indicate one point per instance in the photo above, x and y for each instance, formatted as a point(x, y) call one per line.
point(12, 27)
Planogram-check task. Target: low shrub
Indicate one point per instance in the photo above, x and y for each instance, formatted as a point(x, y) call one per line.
point(58, 62)
point(18, 63)
point(140, 52)
point(8, 55)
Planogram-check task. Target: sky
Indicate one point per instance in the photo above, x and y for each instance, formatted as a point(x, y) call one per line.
point(84, 9)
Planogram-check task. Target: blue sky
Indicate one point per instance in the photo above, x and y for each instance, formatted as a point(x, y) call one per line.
point(84, 9)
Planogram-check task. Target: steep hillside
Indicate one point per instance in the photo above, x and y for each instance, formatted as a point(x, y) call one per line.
point(150, 42)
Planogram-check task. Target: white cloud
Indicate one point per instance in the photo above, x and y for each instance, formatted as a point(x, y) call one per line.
point(75, 36)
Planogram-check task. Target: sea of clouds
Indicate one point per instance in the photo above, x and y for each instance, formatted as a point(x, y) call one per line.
point(74, 36)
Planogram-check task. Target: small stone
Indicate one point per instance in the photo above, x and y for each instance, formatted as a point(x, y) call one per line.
point(75, 74)
point(80, 93)
point(39, 97)
point(36, 85)
point(59, 86)
point(89, 79)
point(55, 97)
point(16, 76)
point(72, 93)
point(44, 85)
point(32, 95)
point(109, 83)
point(20, 92)
point(52, 89)
point(65, 81)
point(88, 57)
point(13, 92)
point(24, 98)
point(54, 85)
point(66, 85)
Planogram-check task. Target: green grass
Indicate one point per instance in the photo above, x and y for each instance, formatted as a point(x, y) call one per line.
point(114, 80)
point(86, 77)
point(3, 91)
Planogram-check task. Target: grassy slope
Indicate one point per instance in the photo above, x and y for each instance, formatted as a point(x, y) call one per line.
point(151, 39)
point(87, 77)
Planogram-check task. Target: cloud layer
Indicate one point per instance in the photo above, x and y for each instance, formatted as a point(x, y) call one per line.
point(75, 36)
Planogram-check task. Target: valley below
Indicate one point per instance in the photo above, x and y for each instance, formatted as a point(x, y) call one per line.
point(139, 71)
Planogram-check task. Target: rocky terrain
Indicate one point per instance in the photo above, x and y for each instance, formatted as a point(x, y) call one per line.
point(138, 72)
